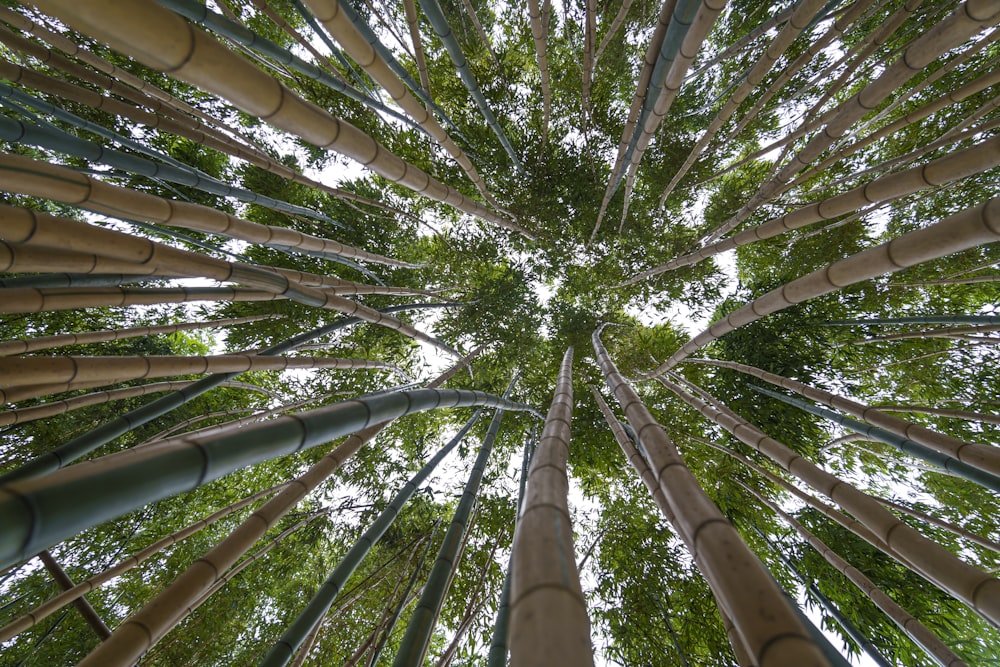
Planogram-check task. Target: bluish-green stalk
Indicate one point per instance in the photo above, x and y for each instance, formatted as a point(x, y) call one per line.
point(421, 625)
point(39, 512)
point(320, 604)
point(440, 24)
point(905, 445)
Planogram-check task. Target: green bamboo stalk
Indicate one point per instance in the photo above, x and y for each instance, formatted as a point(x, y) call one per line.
point(905, 445)
point(39, 512)
point(432, 10)
point(415, 641)
point(88, 442)
point(310, 617)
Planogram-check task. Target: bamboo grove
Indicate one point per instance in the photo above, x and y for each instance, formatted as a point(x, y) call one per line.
point(433, 332)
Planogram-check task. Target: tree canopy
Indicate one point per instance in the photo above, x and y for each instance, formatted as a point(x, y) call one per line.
point(724, 272)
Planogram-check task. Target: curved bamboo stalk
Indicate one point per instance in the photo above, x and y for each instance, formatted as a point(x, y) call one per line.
point(800, 19)
point(965, 21)
point(432, 10)
point(36, 300)
point(24, 345)
point(914, 629)
point(157, 166)
point(56, 603)
point(416, 640)
point(42, 179)
point(549, 623)
point(152, 622)
point(972, 586)
point(737, 578)
point(943, 412)
point(967, 229)
point(319, 605)
point(114, 484)
point(24, 415)
point(538, 35)
point(162, 40)
point(242, 35)
point(740, 46)
point(652, 58)
point(982, 457)
point(418, 48)
point(40, 229)
point(471, 11)
point(642, 469)
point(929, 333)
point(361, 43)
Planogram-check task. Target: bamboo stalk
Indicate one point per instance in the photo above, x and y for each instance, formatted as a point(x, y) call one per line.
point(549, 623)
point(737, 578)
point(972, 227)
point(967, 583)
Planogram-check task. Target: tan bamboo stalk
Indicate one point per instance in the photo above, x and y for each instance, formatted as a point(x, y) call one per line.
point(538, 34)
point(307, 646)
point(616, 23)
point(165, 41)
point(978, 84)
point(36, 300)
point(115, 73)
point(843, 440)
point(739, 581)
point(20, 371)
point(472, 611)
point(56, 603)
point(799, 21)
point(954, 281)
point(959, 165)
point(418, 49)
point(983, 457)
point(914, 629)
point(24, 415)
point(329, 13)
point(855, 13)
point(704, 21)
point(965, 21)
point(972, 227)
point(642, 469)
point(992, 545)
point(826, 510)
point(589, 37)
point(943, 412)
point(549, 623)
point(960, 348)
point(138, 633)
point(24, 345)
point(965, 582)
point(42, 179)
point(988, 264)
point(22, 393)
point(89, 614)
point(21, 225)
point(652, 54)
